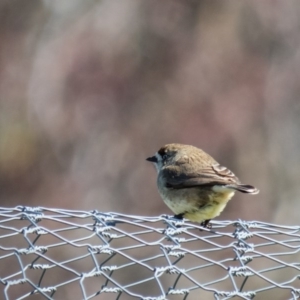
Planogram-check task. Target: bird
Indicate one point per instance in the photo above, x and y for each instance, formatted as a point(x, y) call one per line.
point(193, 184)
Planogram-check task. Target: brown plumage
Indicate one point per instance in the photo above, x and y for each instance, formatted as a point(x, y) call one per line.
point(193, 184)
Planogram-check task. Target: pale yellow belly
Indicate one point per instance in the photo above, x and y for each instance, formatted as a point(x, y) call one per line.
point(208, 212)
point(190, 204)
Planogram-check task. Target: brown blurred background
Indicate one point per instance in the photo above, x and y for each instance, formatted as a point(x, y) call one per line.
point(89, 89)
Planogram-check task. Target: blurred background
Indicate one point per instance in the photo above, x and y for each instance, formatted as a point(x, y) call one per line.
point(89, 89)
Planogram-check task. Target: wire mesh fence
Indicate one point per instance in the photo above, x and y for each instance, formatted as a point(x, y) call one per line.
point(62, 254)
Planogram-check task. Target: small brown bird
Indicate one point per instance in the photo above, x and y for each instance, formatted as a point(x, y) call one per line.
point(193, 184)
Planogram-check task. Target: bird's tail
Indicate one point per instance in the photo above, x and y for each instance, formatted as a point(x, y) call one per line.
point(245, 188)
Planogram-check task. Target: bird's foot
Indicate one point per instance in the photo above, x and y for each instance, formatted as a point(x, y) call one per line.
point(206, 224)
point(178, 217)
point(174, 220)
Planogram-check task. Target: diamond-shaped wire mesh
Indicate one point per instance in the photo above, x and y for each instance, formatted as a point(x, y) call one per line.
point(63, 254)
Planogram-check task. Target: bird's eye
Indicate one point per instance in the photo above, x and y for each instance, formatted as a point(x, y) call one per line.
point(165, 156)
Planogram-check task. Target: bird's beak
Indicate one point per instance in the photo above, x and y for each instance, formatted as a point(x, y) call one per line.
point(152, 159)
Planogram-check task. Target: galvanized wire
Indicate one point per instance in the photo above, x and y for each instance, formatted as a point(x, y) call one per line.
point(66, 254)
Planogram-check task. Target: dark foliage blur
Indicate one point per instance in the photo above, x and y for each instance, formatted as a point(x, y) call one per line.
point(89, 89)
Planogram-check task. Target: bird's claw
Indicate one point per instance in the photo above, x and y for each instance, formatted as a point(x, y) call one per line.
point(177, 219)
point(206, 224)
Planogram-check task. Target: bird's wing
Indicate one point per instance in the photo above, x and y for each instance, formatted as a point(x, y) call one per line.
point(206, 176)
